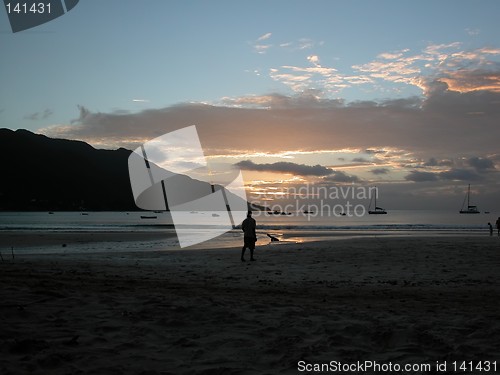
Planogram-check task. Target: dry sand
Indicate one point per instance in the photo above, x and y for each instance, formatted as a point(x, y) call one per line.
point(400, 300)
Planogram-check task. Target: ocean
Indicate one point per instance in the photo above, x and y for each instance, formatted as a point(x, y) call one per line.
point(298, 227)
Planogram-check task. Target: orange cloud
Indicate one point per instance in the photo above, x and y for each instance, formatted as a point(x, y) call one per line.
point(466, 81)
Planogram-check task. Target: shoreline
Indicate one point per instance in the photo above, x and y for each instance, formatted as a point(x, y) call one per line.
point(72, 242)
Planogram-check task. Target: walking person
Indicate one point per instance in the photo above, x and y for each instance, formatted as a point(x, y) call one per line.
point(249, 236)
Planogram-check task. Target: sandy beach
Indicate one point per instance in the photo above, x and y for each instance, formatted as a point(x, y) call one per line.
point(402, 300)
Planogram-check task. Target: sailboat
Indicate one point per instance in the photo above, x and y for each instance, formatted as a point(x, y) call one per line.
point(470, 209)
point(377, 210)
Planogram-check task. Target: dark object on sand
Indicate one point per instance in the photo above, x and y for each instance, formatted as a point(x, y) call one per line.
point(273, 239)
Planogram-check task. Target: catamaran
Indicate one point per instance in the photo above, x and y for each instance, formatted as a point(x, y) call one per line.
point(377, 210)
point(470, 209)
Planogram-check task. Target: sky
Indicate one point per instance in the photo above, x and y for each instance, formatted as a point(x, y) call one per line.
point(402, 95)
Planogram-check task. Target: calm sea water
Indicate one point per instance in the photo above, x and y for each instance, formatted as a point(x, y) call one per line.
point(288, 228)
point(143, 221)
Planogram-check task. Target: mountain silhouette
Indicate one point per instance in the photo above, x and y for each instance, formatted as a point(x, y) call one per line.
point(41, 173)
point(47, 174)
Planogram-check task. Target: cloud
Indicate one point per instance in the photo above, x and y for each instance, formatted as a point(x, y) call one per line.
point(440, 127)
point(327, 174)
point(339, 176)
point(374, 152)
point(481, 164)
point(45, 114)
point(433, 162)
point(260, 46)
point(472, 80)
point(454, 174)
point(440, 49)
point(379, 171)
point(286, 167)
point(84, 113)
point(300, 44)
point(418, 176)
point(300, 78)
point(305, 99)
point(457, 174)
point(472, 32)
point(392, 68)
point(264, 37)
point(475, 103)
point(306, 43)
point(313, 59)
point(360, 160)
point(426, 146)
point(461, 70)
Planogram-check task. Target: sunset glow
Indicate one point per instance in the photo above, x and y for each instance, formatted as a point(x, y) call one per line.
point(410, 106)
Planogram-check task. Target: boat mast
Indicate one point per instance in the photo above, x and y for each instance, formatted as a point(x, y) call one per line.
point(468, 197)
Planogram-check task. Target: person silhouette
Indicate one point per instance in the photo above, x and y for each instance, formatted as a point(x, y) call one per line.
point(249, 236)
point(491, 229)
point(498, 225)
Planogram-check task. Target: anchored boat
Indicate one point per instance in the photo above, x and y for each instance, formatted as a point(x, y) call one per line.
point(470, 208)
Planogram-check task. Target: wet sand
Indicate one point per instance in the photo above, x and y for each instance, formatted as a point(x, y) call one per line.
point(400, 300)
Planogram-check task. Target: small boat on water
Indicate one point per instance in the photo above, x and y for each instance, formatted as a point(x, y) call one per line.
point(278, 213)
point(377, 210)
point(470, 208)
